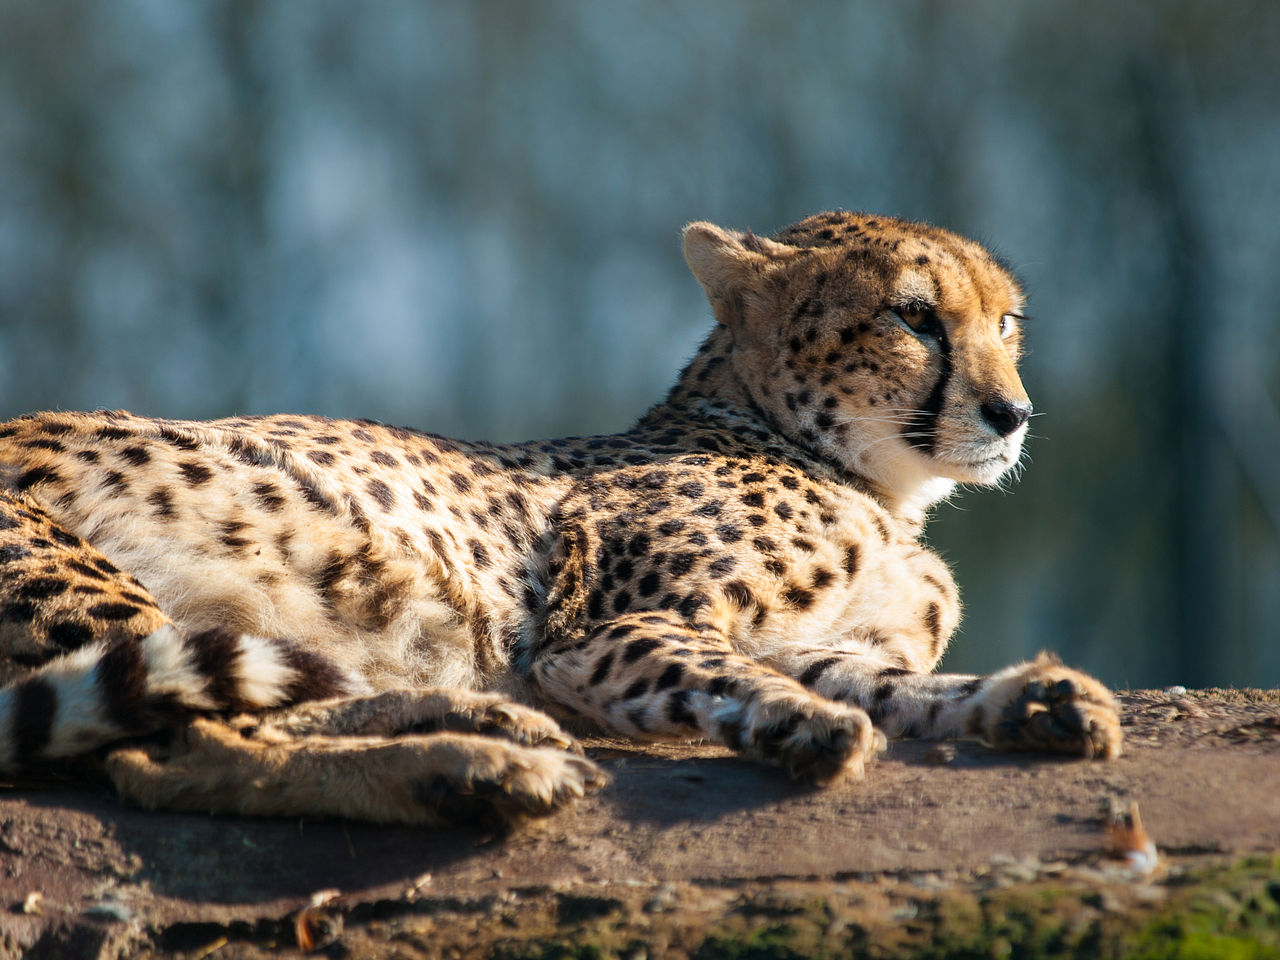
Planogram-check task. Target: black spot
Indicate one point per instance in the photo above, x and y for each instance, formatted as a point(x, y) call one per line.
point(821, 578)
point(783, 510)
point(970, 687)
point(70, 635)
point(603, 666)
point(195, 473)
point(640, 647)
point(670, 527)
point(82, 568)
point(678, 711)
point(638, 689)
point(692, 489)
point(721, 566)
point(268, 496)
point(460, 483)
point(18, 611)
point(692, 603)
point(671, 677)
point(381, 493)
point(816, 669)
point(384, 458)
point(739, 594)
point(753, 499)
point(63, 537)
point(621, 602)
point(721, 685)
point(113, 611)
point(136, 455)
point(163, 502)
point(181, 441)
point(851, 560)
point(12, 552)
point(44, 443)
point(35, 476)
point(790, 482)
point(40, 588)
point(932, 621)
point(649, 584)
point(682, 563)
point(799, 597)
point(728, 533)
point(892, 672)
point(478, 553)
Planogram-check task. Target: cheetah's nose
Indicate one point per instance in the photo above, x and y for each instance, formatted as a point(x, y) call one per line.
point(1005, 415)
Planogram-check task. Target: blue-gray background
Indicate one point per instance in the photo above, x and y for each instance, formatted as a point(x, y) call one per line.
point(465, 217)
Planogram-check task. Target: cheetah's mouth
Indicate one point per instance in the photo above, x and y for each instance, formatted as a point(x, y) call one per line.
point(985, 465)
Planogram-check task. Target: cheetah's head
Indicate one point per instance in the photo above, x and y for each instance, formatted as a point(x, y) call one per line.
point(885, 346)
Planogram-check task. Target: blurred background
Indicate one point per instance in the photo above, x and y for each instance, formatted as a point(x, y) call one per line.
point(465, 217)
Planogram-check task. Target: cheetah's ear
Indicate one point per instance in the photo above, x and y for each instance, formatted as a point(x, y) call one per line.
point(730, 264)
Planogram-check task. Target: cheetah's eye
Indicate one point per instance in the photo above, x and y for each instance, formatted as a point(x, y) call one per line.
point(1008, 324)
point(919, 318)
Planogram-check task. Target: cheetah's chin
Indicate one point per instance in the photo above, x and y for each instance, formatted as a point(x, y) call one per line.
point(983, 470)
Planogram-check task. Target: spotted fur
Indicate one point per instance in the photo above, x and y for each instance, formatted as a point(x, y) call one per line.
point(744, 565)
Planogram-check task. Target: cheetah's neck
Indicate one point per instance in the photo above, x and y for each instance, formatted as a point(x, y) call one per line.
point(710, 389)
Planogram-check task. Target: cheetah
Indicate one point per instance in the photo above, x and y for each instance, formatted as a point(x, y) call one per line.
point(291, 615)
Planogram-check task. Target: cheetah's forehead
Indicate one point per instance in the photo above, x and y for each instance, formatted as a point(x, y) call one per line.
point(924, 264)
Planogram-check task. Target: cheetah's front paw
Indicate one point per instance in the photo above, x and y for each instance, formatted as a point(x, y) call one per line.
point(812, 738)
point(1046, 706)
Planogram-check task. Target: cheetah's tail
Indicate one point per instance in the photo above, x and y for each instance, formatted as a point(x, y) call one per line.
point(109, 690)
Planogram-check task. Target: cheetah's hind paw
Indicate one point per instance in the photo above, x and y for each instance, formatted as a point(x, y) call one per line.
point(430, 780)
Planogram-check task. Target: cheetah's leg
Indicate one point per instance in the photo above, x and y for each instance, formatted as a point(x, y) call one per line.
point(653, 676)
point(90, 657)
point(432, 780)
point(432, 710)
point(1041, 705)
